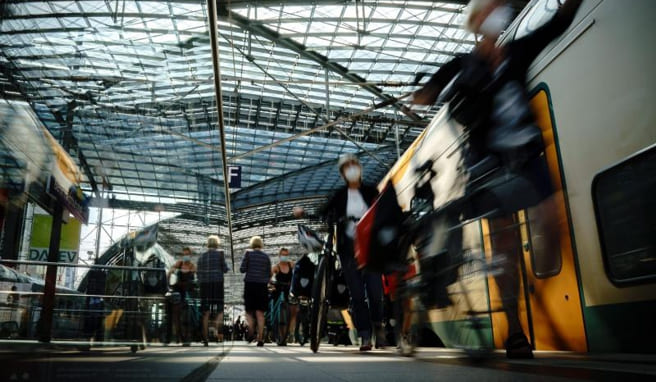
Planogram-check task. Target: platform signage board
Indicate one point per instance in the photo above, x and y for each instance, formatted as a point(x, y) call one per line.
point(40, 241)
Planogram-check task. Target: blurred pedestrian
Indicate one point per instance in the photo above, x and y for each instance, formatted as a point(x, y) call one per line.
point(211, 268)
point(487, 94)
point(257, 267)
point(183, 272)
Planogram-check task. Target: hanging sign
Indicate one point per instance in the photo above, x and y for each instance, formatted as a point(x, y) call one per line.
point(234, 176)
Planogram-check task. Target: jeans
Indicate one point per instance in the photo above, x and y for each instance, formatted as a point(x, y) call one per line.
point(364, 287)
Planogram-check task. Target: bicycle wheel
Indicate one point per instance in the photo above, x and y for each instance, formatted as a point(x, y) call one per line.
point(282, 323)
point(319, 304)
point(475, 334)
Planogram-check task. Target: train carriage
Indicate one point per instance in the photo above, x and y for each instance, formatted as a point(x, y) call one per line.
point(591, 96)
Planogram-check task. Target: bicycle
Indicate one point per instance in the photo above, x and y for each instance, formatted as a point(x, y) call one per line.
point(279, 315)
point(299, 293)
point(323, 280)
point(423, 281)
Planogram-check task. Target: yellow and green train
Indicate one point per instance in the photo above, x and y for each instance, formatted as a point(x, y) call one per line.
point(592, 93)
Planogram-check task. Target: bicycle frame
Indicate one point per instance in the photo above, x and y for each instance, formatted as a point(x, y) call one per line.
point(321, 291)
point(278, 318)
point(438, 242)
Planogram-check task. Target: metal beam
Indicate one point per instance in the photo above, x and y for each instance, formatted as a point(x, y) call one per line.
point(263, 31)
point(213, 21)
point(137, 15)
point(297, 172)
point(322, 127)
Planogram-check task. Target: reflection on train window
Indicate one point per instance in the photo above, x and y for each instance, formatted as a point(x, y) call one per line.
point(540, 12)
point(625, 208)
point(544, 264)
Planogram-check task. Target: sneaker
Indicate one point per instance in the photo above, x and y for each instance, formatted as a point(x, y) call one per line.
point(381, 342)
point(260, 343)
point(366, 345)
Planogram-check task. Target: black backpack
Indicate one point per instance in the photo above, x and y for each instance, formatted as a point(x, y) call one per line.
point(303, 277)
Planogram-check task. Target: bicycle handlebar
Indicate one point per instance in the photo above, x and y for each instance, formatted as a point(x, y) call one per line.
point(331, 220)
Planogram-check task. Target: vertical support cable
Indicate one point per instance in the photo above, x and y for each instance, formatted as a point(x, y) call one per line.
point(327, 97)
point(212, 16)
point(396, 133)
point(99, 228)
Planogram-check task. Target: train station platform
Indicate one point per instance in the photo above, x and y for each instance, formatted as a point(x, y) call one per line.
point(246, 362)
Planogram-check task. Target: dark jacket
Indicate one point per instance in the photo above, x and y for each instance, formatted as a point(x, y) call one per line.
point(211, 266)
point(257, 266)
point(335, 209)
point(520, 53)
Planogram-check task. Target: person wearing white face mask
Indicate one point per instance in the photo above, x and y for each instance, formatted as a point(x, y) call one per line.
point(345, 208)
point(486, 91)
point(282, 273)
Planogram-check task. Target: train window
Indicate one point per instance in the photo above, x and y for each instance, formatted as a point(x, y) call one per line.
point(544, 263)
point(537, 16)
point(625, 209)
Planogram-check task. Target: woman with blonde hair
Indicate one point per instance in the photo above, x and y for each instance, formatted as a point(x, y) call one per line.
point(257, 267)
point(211, 267)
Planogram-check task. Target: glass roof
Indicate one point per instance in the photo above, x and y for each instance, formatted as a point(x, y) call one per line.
point(127, 87)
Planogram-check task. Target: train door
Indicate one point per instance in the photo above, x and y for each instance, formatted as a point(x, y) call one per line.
point(549, 301)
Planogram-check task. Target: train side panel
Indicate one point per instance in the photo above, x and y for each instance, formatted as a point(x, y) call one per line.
point(601, 77)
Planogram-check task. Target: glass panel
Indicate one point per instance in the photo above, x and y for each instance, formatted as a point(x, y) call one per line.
point(544, 264)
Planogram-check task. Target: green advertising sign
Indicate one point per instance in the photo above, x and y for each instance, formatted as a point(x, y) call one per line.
point(68, 247)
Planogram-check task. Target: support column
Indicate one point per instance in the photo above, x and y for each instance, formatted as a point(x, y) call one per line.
point(45, 321)
point(212, 21)
point(11, 235)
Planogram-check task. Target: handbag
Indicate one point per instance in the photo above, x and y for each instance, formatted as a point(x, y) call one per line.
point(376, 245)
point(173, 279)
point(173, 298)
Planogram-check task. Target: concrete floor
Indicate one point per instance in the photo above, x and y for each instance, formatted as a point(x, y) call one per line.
point(246, 362)
point(293, 363)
